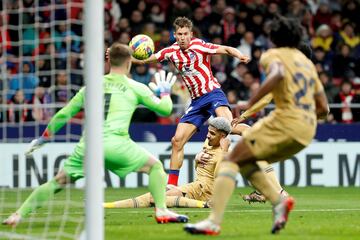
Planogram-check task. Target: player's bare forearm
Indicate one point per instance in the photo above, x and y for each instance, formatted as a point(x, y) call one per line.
point(264, 89)
point(322, 114)
point(275, 75)
point(233, 52)
point(151, 59)
point(257, 106)
point(225, 144)
point(322, 106)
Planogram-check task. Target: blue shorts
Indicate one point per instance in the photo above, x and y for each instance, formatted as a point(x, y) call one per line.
point(203, 107)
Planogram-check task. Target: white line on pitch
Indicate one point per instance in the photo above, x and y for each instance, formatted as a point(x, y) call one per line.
point(122, 210)
point(247, 211)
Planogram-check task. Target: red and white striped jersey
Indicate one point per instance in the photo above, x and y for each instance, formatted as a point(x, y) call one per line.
point(193, 65)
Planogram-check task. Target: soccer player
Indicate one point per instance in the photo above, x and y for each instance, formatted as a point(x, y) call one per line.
point(122, 155)
point(195, 194)
point(256, 196)
point(300, 100)
point(191, 57)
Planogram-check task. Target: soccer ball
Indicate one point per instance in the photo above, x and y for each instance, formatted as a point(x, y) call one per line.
point(142, 45)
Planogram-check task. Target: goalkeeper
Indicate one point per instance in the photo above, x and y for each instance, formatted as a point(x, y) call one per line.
point(122, 155)
point(195, 194)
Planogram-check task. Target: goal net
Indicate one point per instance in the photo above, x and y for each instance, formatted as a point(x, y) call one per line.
point(41, 63)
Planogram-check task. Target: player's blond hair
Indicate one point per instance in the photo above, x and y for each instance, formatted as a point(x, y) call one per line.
point(181, 22)
point(119, 53)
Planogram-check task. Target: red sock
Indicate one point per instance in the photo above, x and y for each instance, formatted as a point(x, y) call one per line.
point(173, 177)
point(46, 134)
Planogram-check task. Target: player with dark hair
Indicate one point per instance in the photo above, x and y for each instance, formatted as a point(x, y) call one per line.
point(256, 196)
point(300, 100)
point(122, 155)
point(191, 57)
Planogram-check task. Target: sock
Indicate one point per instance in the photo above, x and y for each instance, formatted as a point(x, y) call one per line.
point(157, 184)
point(138, 202)
point(270, 174)
point(173, 177)
point(223, 189)
point(260, 181)
point(38, 197)
point(176, 201)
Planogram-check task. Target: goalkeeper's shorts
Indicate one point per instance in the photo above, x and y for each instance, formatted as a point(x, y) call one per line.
point(122, 156)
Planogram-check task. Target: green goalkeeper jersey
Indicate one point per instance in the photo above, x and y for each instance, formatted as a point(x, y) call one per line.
point(121, 97)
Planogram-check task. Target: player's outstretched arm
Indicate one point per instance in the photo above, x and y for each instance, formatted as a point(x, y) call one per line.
point(254, 109)
point(321, 101)
point(233, 52)
point(322, 106)
point(275, 75)
point(151, 59)
point(58, 121)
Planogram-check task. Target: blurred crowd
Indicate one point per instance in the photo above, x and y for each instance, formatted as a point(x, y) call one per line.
point(41, 48)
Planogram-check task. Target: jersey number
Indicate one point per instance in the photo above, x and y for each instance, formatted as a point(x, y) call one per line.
point(107, 104)
point(298, 78)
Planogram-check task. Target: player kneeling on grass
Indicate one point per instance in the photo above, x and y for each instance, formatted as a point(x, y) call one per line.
point(122, 155)
point(195, 194)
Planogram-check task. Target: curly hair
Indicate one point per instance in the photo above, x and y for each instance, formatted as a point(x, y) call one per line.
point(286, 32)
point(305, 49)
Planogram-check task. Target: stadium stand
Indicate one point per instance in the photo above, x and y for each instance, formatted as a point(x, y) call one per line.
point(42, 50)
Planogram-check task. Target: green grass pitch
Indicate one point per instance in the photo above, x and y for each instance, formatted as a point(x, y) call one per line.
point(320, 213)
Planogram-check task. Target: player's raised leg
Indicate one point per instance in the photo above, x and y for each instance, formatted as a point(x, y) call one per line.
point(38, 198)
point(184, 132)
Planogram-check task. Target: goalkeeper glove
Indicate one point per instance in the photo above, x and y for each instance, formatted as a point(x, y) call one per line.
point(35, 144)
point(163, 84)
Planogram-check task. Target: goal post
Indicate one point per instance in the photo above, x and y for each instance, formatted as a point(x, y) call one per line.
point(48, 38)
point(94, 61)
